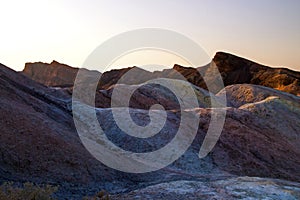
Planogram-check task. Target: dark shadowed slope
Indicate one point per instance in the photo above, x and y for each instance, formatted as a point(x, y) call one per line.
point(38, 141)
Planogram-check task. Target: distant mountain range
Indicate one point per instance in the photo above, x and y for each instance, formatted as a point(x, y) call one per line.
point(233, 69)
point(260, 138)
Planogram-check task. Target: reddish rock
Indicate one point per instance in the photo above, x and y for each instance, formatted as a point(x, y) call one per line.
point(54, 74)
point(233, 69)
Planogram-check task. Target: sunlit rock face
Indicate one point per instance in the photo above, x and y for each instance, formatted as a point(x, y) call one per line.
point(54, 74)
point(236, 70)
point(240, 94)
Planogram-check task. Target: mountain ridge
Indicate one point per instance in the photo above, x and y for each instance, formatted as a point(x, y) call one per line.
point(233, 69)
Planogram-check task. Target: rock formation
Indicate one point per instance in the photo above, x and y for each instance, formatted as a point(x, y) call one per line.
point(53, 74)
point(236, 70)
point(233, 69)
point(260, 138)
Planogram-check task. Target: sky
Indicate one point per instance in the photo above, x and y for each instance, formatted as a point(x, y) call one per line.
point(266, 31)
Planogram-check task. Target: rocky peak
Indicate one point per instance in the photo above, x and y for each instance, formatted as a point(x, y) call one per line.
point(237, 70)
point(233, 69)
point(54, 74)
point(54, 62)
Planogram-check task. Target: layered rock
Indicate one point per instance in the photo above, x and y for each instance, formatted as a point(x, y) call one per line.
point(39, 142)
point(54, 74)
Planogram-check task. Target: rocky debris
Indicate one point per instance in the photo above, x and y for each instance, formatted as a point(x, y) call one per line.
point(233, 188)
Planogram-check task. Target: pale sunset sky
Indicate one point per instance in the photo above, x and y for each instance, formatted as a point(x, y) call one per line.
point(266, 31)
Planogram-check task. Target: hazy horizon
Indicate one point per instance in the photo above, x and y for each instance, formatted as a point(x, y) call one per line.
point(266, 31)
